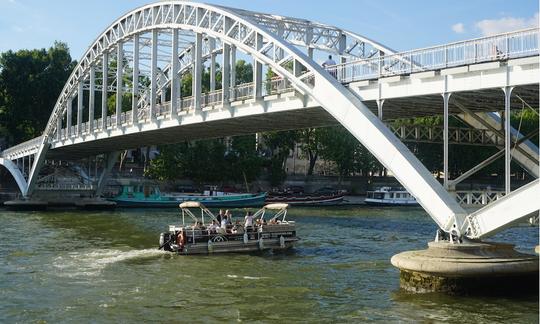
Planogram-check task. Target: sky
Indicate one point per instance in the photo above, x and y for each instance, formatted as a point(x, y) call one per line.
point(398, 24)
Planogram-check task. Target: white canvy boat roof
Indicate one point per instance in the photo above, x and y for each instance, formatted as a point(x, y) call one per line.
point(276, 206)
point(192, 204)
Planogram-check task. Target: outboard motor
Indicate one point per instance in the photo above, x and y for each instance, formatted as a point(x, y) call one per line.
point(164, 241)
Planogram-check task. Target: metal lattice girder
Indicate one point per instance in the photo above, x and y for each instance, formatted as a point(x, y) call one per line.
point(273, 43)
point(504, 212)
point(268, 48)
point(212, 20)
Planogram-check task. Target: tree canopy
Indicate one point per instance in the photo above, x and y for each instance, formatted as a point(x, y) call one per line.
point(30, 82)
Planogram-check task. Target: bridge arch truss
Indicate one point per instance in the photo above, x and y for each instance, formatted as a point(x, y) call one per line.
point(144, 54)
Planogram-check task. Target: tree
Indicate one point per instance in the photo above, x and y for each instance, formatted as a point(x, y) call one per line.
point(279, 145)
point(30, 82)
point(310, 143)
point(339, 146)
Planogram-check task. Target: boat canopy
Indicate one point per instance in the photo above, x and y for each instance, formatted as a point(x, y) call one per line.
point(280, 210)
point(192, 204)
point(276, 206)
point(195, 204)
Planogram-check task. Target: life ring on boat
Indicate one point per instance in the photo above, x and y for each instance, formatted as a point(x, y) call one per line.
point(181, 239)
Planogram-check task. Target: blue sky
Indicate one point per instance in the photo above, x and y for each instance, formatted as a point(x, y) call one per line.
point(398, 24)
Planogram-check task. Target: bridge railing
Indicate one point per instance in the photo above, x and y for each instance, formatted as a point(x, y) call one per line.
point(32, 145)
point(478, 197)
point(486, 49)
point(458, 135)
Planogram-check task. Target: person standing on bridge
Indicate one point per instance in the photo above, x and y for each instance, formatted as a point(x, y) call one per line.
point(329, 66)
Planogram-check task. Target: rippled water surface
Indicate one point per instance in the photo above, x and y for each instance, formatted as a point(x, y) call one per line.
point(104, 267)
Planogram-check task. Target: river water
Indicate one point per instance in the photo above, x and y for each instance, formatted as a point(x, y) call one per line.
point(73, 266)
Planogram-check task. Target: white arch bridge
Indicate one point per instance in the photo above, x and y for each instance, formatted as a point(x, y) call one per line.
point(141, 58)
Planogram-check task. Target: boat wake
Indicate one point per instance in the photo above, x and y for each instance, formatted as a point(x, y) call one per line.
point(246, 277)
point(92, 263)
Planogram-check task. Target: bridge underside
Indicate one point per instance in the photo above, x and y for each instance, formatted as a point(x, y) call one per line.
point(488, 100)
point(295, 119)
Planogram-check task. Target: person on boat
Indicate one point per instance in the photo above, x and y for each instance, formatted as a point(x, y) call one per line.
point(224, 222)
point(238, 228)
point(220, 216)
point(228, 214)
point(248, 221)
point(212, 229)
point(197, 225)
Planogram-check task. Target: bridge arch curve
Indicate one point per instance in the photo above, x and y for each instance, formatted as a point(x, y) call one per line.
point(15, 173)
point(314, 82)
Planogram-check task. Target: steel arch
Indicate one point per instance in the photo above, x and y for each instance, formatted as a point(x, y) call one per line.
point(247, 35)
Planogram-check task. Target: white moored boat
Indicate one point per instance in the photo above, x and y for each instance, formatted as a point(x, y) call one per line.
point(388, 196)
point(270, 231)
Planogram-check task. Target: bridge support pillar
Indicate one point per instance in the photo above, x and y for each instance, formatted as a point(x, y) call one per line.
point(153, 78)
point(104, 90)
point(80, 94)
point(468, 268)
point(110, 161)
point(135, 90)
point(380, 104)
point(233, 69)
point(212, 45)
point(175, 86)
point(226, 75)
point(257, 69)
point(59, 128)
point(446, 100)
point(507, 140)
point(119, 83)
point(91, 99)
point(69, 108)
point(197, 72)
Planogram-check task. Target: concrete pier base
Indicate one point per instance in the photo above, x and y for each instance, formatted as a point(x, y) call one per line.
point(468, 268)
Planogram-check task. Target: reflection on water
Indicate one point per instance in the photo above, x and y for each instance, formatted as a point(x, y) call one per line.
point(104, 266)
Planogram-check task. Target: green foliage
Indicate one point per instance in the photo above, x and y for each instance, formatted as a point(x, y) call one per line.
point(208, 161)
point(244, 72)
point(311, 145)
point(280, 145)
point(30, 82)
point(339, 146)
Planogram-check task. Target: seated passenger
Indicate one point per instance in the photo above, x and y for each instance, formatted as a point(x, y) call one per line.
point(212, 229)
point(238, 229)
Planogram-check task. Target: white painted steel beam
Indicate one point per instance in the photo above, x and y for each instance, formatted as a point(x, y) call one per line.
point(153, 75)
point(175, 80)
point(104, 93)
point(316, 83)
point(526, 154)
point(119, 82)
point(92, 99)
point(15, 173)
point(197, 72)
point(80, 96)
point(69, 116)
point(505, 212)
point(135, 92)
